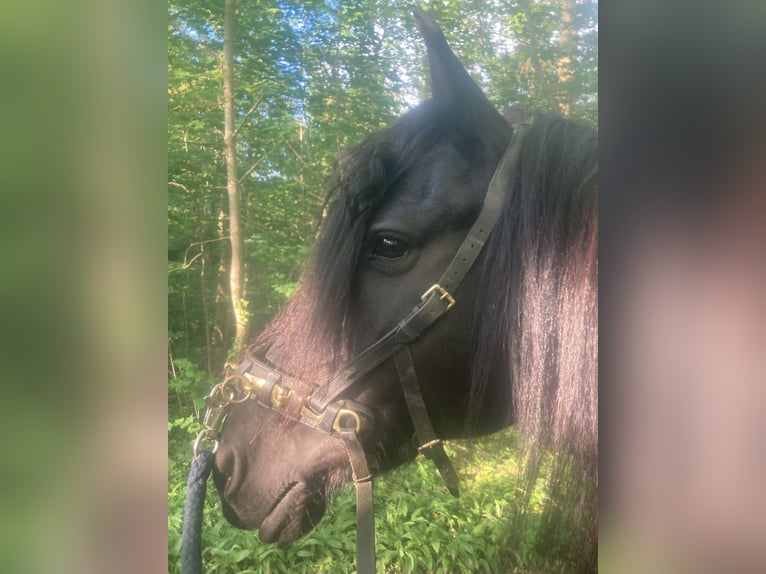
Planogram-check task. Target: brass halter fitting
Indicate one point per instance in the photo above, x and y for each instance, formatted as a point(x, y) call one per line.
point(443, 294)
point(233, 389)
point(218, 404)
point(343, 418)
point(240, 387)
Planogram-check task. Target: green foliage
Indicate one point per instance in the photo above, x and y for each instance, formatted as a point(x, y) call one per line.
point(420, 527)
point(187, 385)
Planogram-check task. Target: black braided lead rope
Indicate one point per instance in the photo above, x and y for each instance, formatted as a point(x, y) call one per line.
point(191, 538)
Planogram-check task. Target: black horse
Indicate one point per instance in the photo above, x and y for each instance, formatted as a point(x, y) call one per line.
point(519, 346)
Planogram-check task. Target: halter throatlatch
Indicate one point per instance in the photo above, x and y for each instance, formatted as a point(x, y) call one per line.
point(325, 410)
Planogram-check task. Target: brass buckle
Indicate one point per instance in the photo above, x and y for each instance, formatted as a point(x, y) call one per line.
point(444, 295)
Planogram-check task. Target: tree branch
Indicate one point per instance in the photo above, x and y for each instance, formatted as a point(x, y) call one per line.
point(186, 189)
point(186, 264)
point(300, 158)
point(256, 164)
point(248, 114)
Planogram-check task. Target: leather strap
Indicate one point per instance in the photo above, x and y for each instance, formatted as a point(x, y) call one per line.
point(428, 443)
point(493, 203)
point(365, 519)
point(409, 329)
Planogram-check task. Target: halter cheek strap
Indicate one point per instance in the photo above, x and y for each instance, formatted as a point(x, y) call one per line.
point(429, 444)
point(326, 411)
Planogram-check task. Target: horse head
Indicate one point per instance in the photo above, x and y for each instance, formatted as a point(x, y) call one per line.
point(403, 203)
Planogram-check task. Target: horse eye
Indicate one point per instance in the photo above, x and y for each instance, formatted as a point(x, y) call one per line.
point(390, 248)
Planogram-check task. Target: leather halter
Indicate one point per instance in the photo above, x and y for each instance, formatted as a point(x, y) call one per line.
point(326, 411)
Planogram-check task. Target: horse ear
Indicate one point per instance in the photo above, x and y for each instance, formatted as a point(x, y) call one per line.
point(455, 89)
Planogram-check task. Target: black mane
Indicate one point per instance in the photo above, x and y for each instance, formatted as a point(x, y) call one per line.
point(546, 233)
point(539, 320)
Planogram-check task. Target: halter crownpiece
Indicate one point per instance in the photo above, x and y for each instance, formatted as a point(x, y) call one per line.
point(325, 410)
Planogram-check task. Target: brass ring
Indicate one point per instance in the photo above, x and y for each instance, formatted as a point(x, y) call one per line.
point(230, 391)
point(346, 414)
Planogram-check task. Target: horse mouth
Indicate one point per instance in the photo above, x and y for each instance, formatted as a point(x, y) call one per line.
point(296, 511)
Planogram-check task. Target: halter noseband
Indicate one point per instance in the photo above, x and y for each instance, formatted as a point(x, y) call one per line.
point(324, 410)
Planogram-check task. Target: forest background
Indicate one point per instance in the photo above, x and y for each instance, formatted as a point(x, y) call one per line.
point(308, 80)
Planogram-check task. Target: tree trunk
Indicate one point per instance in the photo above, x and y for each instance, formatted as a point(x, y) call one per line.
point(236, 270)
